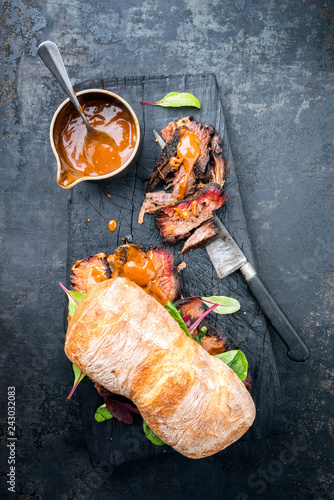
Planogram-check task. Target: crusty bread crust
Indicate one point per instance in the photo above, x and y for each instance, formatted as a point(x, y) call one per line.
point(126, 341)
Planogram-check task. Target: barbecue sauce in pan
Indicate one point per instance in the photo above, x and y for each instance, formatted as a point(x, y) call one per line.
point(103, 114)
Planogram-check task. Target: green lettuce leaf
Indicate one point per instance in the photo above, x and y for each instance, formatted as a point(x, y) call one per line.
point(177, 316)
point(201, 334)
point(102, 413)
point(151, 435)
point(226, 305)
point(237, 361)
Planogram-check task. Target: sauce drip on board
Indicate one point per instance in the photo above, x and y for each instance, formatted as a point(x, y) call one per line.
point(104, 114)
point(188, 151)
point(131, 262)
point(112, 225)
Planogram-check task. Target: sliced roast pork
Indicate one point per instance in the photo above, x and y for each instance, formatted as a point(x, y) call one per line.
point(193, 171)
point(202, 131)
point(160, 199)
point(218, 169)
point(217, 339)
point(154, 270)
point(216, 144)
point(163, 167)
point(190, 306)
point(177, 221)
point(202, 235)
point(167, 278)
point(89, 271)
point(155, 201)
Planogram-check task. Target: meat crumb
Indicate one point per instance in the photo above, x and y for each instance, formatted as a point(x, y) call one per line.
point(181, 266)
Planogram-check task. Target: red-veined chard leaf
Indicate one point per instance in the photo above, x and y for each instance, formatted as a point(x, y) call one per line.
point(74, 299)
point(226, 305)
point(78, 376)
point(202, 316)
point(176, 100)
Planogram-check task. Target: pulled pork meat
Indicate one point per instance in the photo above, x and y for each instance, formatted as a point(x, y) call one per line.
point(189, 165)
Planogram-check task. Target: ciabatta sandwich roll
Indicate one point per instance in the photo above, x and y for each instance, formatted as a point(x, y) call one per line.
point(126, 341)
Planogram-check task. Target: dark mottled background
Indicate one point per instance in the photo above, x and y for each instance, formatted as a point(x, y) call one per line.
point(274, 64)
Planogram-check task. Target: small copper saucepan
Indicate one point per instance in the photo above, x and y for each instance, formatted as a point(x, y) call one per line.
point(106, 111)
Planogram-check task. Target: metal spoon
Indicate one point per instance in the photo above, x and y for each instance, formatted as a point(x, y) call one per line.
point(50, 55)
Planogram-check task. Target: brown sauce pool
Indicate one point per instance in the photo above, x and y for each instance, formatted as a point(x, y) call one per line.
point(104, 113)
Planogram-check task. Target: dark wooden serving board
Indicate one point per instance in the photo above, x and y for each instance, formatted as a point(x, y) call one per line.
point(112, 442)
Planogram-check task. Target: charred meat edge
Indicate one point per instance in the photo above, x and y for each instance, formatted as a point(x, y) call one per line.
point(80, 277)
point(190, 306)
point(163, 262)
point(167, 273)
point(160, 199)
point(201, 130)
point(162, 167)
point(201, 236)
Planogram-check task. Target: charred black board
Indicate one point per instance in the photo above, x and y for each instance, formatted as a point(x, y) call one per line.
point(112, 442)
